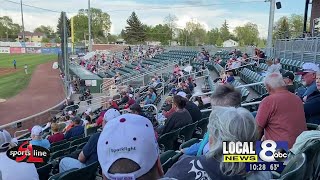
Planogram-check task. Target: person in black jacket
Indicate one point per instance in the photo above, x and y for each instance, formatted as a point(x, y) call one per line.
point(179, 118)
point(192, 108)
point(312, 105)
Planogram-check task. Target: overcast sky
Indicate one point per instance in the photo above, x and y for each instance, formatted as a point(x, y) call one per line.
point(210, 13)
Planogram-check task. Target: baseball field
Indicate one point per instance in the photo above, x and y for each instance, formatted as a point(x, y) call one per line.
point(12, 81)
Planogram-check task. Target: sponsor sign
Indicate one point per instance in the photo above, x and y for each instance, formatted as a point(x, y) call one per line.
point(15, 50)
point(4, 50)
point(50, 50)
point(33, 50)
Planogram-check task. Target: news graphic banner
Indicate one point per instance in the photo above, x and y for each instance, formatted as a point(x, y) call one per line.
point(265, 155)
point(29, 153)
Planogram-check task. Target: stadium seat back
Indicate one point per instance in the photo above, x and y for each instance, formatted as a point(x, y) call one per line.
point(296, 168)
point(44, 171)
point(186, 132)
point(59, 147)
point(189, 143)
point(167, 141)
point(86, 173)
point(167, 165)
point(166, 155)
point(201, 128)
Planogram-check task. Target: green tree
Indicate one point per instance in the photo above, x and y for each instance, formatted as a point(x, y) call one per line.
point(47, 30)
point(248, 35)
point(219, 41)
point(60, 26)
point(196, 34)
point(296, 25)
point(45, 40)
point(281, 28)
point(212, 36)
point(159, 32)
point(8, 29)
point(170, 21)
point(135, 31)
point(224, 31)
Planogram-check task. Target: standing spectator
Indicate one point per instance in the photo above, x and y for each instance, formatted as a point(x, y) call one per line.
point(76, 130)
point(308, 74)
point(128, 149)
point(15, 64)
point(288, 78)
point(36, 136)
point(311, 107)
point(88, 155)
point(280, 116)
point(11, 169)
point(26, 68)
point(56, 134)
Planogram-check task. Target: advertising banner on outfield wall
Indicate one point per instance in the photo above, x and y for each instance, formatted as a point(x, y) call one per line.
point(15, 50)
point(4, 50)
point(33, 50)
point(30, 44)
point(10, 44)
point(49, 45)
point(50, 50)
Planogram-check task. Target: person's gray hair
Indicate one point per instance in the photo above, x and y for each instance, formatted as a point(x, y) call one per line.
point(226, 95)
point(230, 124)
point(274, 80)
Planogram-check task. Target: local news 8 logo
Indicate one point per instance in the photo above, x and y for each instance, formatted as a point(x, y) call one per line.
point(270, 151)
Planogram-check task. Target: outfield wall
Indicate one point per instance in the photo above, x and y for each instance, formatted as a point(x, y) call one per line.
point(33, 48)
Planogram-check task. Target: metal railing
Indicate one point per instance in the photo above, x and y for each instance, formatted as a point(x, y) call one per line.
point(300, 49)
point(242, 105)
point(123, 111)
point(237, 87)
point(103, 85)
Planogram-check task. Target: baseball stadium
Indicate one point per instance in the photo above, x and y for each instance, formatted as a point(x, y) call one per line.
point(97, 96)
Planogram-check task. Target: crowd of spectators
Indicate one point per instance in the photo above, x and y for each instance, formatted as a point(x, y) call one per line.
point(127, 148)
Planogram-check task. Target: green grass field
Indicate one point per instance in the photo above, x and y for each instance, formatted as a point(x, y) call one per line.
point(12, 84)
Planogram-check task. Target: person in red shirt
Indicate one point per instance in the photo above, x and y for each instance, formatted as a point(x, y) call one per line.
point(56, 134)
point(280, 116)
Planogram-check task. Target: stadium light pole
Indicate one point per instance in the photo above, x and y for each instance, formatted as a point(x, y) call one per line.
point(270, 29)
point(23, 34)
point(89, 25)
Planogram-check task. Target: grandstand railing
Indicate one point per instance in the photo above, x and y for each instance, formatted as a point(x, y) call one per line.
point(124, 111)
point(237, 87)
point(242, 105)
point(11, 127)
point(300, 49)
point(103, 87)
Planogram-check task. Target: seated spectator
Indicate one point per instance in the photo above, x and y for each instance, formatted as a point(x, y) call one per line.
point(280, 116)
point(151, 97)
point(277, 64)
point(271, 67)
point(124, 99)
point(288, 78)
point(179, 118)
point(168, 103)
point(130, 102)
point(176, 69)
point(224, 95)
point(140, 161)
point(198, 101)
point(56, 134)
point(11, 169)
point(36, 136)
point(211, 165)
point(308, 74)
point(229, 77)
point(168, 112)
point(76, 130)
point(88, 155)
point(192, 108)
point(311, 107)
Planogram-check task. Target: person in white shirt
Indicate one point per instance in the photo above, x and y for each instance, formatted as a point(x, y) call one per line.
point(277, 64)
point(272, 68)
point(26, 68)
point(11, 169)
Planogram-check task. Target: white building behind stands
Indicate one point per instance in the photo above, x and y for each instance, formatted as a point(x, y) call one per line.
point(230, 43)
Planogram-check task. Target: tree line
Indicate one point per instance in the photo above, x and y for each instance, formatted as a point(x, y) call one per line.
point(136, 32)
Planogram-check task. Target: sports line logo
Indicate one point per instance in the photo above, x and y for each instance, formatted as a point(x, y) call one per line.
point(29, 153)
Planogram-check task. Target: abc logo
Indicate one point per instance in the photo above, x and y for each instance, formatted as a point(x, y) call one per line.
point(269, 153)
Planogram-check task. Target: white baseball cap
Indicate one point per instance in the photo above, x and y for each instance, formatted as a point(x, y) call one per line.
point(36, 130)
point(182, 94)
point(111, 114)
point(70, 112)
point(128, 136)
point(5, 139)
point(308, 67)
